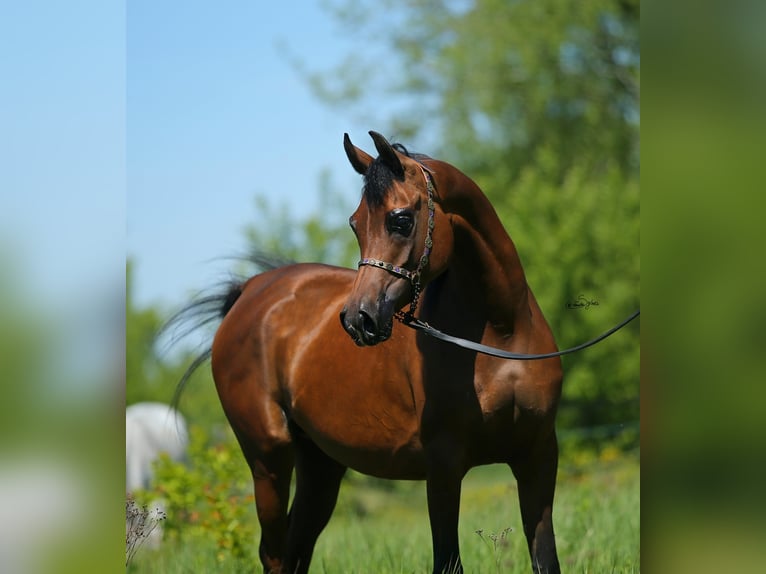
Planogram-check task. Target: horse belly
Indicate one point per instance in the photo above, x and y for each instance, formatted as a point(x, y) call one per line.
point(380, 458)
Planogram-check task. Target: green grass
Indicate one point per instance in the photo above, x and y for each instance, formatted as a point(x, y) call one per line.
point(383, 527)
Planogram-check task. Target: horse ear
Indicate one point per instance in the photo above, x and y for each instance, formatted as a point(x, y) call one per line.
point(360, 160)
point(387, 154)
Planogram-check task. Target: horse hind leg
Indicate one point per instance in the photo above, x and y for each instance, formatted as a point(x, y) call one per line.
point(271, 485)
point(318, 479)
point(271, 460)
point(536, 478)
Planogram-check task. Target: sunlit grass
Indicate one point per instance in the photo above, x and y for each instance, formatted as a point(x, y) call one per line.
point(383, 527)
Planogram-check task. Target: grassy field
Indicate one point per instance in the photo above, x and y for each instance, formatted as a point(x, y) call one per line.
point(382, 527)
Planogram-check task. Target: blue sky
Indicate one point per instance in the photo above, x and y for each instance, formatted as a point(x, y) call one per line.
point(216, 114)
point(147, 128)
point(62, 142)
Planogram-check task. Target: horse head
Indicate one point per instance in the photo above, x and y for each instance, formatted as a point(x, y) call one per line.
point(404, 238)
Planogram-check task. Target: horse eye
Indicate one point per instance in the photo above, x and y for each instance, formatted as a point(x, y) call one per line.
point(400, 221)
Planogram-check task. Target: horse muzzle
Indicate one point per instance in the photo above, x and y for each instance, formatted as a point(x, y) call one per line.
point(367, 326)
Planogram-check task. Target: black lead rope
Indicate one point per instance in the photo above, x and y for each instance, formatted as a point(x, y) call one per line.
point(424, 327)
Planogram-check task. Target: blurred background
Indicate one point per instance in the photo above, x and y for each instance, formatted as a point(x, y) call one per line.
point(171, 137)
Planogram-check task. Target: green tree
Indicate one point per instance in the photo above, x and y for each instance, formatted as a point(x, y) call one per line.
point(496, 85)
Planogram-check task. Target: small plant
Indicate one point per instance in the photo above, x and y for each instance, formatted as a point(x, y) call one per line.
point(495, 541)
point(140, 522)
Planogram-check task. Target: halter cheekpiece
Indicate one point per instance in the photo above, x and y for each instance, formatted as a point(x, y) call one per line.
point(412, 276)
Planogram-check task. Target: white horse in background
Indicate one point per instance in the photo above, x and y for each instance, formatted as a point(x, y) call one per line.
point(151, 429)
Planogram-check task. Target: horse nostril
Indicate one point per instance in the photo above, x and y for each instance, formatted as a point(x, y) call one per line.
point(343, 316)
point(368, 324)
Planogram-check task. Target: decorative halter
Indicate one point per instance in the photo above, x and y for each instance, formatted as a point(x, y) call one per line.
point(412, 276)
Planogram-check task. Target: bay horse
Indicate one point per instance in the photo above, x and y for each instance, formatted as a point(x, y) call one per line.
point(304, 390)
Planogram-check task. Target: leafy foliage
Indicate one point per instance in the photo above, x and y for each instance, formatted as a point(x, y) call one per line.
point(209, 498)
point(582, 239)
point(518, 82)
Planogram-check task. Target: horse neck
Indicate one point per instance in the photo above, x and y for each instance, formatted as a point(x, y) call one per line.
point(485, 264)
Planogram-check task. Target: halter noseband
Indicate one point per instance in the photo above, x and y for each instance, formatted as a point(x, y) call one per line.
point(412, 276)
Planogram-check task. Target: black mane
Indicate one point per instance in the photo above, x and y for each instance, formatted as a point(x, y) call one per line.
point(379, 176)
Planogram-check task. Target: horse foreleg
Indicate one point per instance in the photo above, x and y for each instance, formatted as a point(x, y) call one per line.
point(443, 488)
point(536, 478)
point(318, 479)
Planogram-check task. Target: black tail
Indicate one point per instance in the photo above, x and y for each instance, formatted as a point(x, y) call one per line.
point(210, 308)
